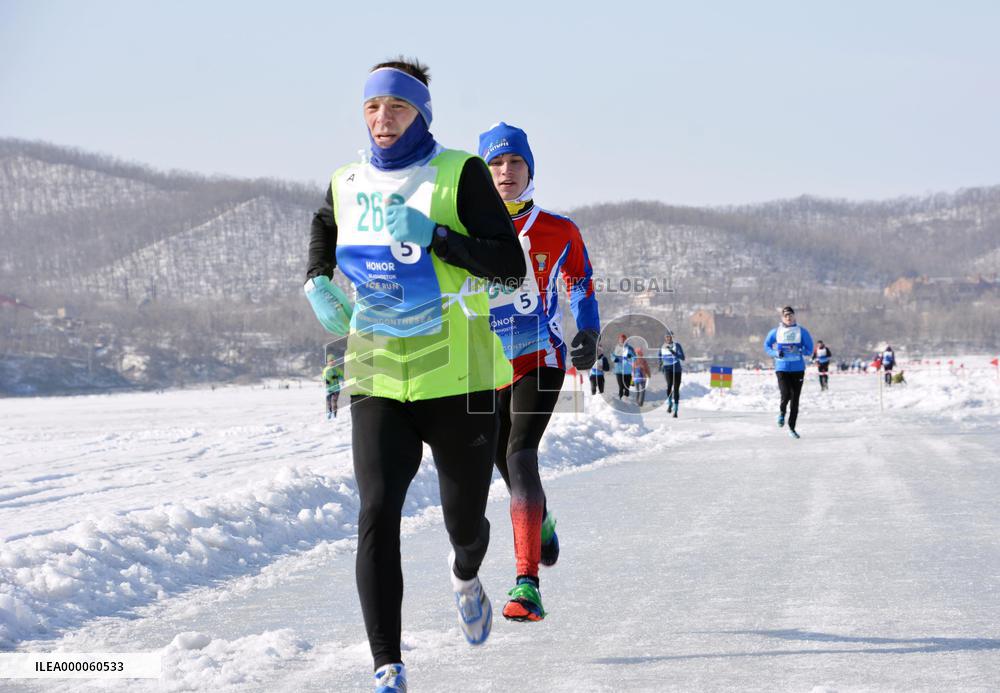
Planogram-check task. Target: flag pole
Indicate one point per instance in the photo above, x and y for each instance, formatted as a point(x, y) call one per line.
point(881, 387)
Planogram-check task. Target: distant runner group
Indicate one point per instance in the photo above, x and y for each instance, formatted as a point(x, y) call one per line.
point(632, 369)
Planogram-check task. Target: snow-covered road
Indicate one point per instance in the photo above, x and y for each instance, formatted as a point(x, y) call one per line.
point(709, 552)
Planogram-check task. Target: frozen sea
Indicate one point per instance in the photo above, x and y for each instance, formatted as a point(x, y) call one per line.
point(705, 553)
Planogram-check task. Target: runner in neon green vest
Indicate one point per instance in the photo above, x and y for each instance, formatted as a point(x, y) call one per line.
point(332, 376)
point(420, 232)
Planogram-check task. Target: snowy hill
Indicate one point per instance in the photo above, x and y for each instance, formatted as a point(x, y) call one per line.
point(68, 213)
point(123, 215)
point(253, 250)
point(31, 187)
point(200, 277)
point(798, 250)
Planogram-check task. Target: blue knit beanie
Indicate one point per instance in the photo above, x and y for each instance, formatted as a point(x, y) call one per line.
point(504, 139)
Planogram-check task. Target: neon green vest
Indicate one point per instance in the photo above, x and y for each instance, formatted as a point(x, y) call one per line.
point(463, 355)
point(332, 376)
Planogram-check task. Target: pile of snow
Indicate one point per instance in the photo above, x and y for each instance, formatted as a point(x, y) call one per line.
point(953, 394)
point(103, 563)
point(196, 661)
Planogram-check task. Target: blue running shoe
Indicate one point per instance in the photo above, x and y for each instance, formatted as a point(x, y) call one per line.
point(475, 613)
point(550, 542)
point(781, 420)
point(390, 678)
point(793, 434)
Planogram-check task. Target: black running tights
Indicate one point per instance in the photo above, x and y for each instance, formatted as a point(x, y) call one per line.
point(790, 384)
point(387, 441)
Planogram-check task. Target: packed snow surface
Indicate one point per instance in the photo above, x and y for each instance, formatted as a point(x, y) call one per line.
point(707, 552)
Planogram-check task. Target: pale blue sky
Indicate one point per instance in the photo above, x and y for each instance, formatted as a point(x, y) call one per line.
point(683, 102)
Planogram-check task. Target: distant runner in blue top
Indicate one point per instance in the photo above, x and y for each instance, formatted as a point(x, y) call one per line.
point(671, 355)
point(623, 357)
point(888, 361)
point(786, 344)
point(597, 371)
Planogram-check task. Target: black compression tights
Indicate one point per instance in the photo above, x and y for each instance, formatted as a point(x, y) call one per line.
point(624, 383)
point(790, 384)
point(673, 376)
point(387, 441)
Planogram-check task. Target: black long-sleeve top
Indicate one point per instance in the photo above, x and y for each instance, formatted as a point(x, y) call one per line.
point(491, 250)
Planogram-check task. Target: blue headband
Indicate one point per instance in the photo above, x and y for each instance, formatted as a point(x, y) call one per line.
point(503, 139)
point(388, 81)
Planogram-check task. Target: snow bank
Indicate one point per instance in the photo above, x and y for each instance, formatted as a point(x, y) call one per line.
point(104, 564)
point(196, 661)
point(952, 395)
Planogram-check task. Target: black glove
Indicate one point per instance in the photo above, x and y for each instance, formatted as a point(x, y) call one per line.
point(584, 351)
point(781, 353)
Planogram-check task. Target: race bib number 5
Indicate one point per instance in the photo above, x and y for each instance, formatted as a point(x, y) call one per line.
point(522, 298)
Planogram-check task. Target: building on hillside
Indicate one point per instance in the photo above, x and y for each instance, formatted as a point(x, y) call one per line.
point(901, 289)
point(937, 289)
point(644, 299)
point(703, 323)
point(731, 322)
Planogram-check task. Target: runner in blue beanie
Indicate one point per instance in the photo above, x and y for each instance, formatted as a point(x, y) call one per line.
point(504, 139)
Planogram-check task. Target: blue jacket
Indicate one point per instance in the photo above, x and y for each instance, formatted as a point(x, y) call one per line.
point(790, 354)
point(671, 360)
point(623, 359)
point(600, 366)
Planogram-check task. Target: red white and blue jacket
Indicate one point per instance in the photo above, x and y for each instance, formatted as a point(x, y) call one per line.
point(528, 317)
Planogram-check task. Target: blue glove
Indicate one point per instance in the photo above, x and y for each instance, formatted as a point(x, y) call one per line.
point(409, 225)
point(332, 307)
